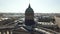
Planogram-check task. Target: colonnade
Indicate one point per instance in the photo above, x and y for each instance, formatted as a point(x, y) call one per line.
point(5, 31)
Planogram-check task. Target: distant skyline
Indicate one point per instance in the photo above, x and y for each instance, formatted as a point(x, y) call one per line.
point(39, 6)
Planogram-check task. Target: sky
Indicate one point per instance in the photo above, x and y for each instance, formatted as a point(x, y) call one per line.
point(39, 6)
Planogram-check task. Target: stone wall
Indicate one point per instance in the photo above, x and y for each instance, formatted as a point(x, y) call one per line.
point(57, 21)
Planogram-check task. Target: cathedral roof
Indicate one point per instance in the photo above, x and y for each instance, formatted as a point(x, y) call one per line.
point(29, 9)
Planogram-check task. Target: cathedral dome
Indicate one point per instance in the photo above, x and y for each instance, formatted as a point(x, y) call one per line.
point(29, 9)
point(29, 16)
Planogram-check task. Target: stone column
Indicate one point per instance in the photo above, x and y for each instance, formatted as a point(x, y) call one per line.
point(5, 32)
point(2, 32)
point(10, 32)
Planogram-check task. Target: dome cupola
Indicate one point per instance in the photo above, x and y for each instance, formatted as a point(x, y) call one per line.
point(29, 9)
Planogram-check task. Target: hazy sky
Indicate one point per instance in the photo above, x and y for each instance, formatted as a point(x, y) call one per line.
point(39, 6)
